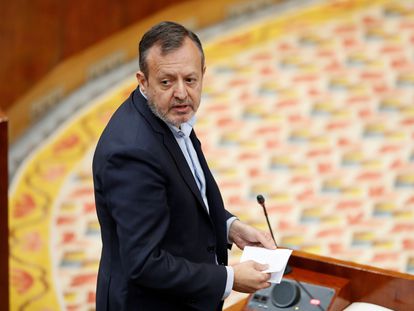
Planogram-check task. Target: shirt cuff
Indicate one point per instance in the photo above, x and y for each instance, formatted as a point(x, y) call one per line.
point(229, 282)
point(229, 222)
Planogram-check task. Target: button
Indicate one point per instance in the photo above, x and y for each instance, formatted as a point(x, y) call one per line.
point(211, 249)
point(315, 302)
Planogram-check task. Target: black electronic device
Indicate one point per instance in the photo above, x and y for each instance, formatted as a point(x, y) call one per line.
point(292, 295)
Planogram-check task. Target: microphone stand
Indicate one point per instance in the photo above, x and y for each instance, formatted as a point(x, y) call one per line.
point(261, 201)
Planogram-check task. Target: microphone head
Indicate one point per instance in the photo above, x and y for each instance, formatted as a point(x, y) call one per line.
point(260, 199)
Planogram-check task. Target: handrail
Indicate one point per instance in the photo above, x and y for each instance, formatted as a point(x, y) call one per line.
point(4, 229)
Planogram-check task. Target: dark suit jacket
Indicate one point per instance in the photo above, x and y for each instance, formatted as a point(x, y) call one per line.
point(159, 242)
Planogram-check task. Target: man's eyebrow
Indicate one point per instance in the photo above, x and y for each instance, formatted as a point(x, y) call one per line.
point(163, 74)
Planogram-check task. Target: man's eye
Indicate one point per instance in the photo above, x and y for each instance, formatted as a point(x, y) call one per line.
point(165, 82)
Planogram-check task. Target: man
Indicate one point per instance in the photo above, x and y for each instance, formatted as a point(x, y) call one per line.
point(164, 229)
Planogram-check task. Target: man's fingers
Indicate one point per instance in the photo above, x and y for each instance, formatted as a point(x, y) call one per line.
point(266, 285)
point(260, 267)
point(264, 277)
point(264, 280)
point(249, 276)
point(267, 240)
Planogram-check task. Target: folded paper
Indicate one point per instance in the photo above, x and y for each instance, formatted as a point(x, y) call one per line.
point(276, 259)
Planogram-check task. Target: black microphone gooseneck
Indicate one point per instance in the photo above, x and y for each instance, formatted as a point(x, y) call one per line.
point(261, 201)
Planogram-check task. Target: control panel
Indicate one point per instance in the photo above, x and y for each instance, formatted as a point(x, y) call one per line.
point(292, 295)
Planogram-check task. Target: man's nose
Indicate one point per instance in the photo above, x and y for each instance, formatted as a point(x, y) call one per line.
point(180, 91)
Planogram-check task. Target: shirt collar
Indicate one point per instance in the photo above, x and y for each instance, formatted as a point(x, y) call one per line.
point(142, 93)
point(185, 128)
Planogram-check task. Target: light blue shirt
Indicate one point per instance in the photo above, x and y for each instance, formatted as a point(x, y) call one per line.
point(182, 136)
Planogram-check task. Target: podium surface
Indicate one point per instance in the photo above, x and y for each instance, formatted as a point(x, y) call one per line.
point(352, 282)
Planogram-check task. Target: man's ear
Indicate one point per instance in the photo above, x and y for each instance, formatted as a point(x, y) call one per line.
point(142, 81)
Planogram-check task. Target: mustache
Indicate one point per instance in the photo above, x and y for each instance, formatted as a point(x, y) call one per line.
point(178, 103)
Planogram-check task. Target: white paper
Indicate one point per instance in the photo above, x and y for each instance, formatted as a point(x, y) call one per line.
point(276, 259)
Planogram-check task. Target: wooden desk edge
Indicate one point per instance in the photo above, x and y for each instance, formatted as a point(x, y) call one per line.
point(387, 288)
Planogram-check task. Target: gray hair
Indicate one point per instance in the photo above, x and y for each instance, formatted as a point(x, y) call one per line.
point(169, 36)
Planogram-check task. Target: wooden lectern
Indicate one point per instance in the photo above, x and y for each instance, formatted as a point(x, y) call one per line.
point(352, 282)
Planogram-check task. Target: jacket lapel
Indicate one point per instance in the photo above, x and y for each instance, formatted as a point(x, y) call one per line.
point(214, 201)
point(170, 143)
point(182, 165)
point(210, 182)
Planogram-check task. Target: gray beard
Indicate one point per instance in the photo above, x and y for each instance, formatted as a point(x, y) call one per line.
point(159, 115)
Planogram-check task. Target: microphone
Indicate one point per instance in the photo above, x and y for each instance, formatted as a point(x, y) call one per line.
point(261, 201)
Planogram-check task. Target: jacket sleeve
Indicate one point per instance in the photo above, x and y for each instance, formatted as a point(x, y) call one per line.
point(135, 189)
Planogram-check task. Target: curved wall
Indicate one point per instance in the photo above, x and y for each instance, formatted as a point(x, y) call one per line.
point(46, 64)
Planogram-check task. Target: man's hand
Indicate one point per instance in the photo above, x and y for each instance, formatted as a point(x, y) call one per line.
point(248, 277)
point(244, 235)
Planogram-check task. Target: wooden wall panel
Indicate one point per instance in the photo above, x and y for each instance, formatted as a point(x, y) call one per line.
point(27, 45)
point(4, 228)
point(109, 53)
point(38, 35)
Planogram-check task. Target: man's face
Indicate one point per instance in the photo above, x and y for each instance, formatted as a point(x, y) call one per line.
point(174, 82)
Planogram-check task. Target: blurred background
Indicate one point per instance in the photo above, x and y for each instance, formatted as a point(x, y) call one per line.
point(308, 102)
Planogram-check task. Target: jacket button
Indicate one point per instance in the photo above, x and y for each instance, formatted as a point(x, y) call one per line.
point(211, 249)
